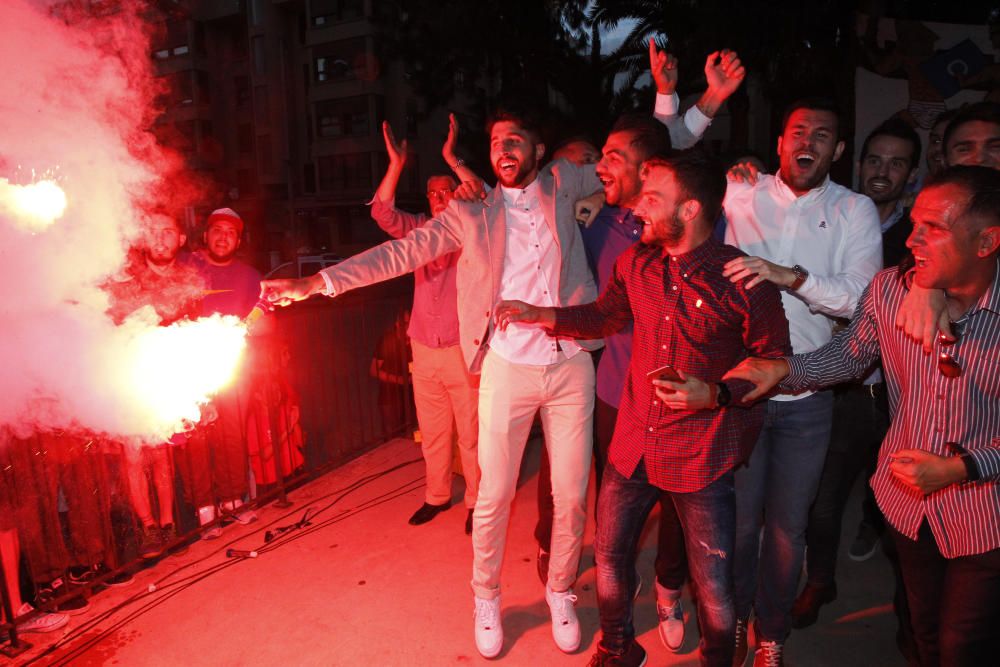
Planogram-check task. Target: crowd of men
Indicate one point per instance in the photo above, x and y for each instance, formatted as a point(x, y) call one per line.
point(80, 506)
point(734, 346)
point(766, 339)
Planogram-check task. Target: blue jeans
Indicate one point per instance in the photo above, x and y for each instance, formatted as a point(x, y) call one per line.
point(775, 490)
point(708, 518)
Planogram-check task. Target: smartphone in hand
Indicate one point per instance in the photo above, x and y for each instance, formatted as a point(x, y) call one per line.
point(664, 373)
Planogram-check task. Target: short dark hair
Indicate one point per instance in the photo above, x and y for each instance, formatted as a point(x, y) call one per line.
point(573, 139)
point(699, 176)
point(812, 104)
point(527, 119)
point(986, 112)
point(649, 136)
point(981, 184)
point(900, 129)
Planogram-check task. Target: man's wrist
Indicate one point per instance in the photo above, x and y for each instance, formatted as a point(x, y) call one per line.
point(796, 277)
point(710, 102)
point(320, 283)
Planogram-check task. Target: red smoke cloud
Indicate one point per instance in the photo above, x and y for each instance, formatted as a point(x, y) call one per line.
point(76, 101)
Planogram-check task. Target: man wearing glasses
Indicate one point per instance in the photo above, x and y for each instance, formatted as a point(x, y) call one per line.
point(446, 395)
point(938, 475)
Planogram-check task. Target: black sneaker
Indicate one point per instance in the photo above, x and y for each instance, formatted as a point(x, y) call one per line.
point(46, 594)
point(168, 537)
point(151, 545)
point(805, 611)
point(634, 656)
point(865, 544)
point(81, 575)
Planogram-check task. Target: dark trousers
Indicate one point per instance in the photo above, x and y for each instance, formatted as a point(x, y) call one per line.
point(860, 421)
point(671, 558)
point(214, 463)
point(709, 520)
point(954, 602)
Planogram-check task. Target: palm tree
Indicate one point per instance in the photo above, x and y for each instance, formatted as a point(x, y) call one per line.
point(789, 47)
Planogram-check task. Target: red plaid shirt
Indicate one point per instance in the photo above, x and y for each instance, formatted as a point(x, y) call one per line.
point(687, 315)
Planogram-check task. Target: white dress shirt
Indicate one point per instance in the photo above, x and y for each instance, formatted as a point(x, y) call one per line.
point(832, 232)
point(530, 274)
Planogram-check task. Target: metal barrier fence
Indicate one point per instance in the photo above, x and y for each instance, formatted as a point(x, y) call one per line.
point(327, 381)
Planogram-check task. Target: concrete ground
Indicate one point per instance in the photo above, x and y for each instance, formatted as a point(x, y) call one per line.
point(359, 586)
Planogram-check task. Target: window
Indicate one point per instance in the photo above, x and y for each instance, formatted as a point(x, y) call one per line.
point(309, 178)
point(347, 117)
point(242, 90)
point(337, 61)
point(343, 172)
point(262, 110)
point(265, 156)
point(174, 42)
point(246, 181)
point(244, 138)
point(259, 54)
point(326, 12)
point(203, 90)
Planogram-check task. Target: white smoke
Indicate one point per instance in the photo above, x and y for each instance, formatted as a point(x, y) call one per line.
point(75, 95)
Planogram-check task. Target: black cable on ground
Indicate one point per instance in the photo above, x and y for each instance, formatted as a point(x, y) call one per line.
point(299, 529)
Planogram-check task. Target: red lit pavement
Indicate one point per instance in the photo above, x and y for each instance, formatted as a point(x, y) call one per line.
point(359, 586)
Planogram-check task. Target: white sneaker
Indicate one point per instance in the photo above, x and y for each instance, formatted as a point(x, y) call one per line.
point(671, 616)
point(565, 625)
point(489, 631)
point(42, 622)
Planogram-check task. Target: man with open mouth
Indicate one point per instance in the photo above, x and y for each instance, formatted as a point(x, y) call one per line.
point(521, 241)
point(821, 244)
point(888, 164)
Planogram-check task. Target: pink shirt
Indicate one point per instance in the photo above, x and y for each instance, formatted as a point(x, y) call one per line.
point(434, 320)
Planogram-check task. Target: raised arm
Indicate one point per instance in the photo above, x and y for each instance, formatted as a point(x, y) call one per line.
point(396, 153)
point(397, 257)
point(724, 73)
point(456, 164)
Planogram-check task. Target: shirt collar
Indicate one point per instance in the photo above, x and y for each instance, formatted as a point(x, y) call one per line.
point(618, 214)
point(990, 300)
point(784, 192)
point(690, 261)
point(525, 198)
point(894, 217)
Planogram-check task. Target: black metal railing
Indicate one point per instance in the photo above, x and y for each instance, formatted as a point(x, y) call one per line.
point(326, 381)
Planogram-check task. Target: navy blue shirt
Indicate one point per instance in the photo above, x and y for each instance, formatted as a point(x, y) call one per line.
point(613, 231)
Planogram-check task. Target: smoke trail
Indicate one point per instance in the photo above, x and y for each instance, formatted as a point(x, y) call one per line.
point(75, 106)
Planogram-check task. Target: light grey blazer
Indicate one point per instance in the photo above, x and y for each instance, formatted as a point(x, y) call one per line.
point(478, 229)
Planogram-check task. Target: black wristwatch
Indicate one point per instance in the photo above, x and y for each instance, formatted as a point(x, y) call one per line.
point(724, 396)
point(971, 469)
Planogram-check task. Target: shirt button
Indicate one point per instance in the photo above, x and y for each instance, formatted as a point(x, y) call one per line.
point(650, 429)
point(664, 347)
point(673, 287)
point(667, 318)
point(685, 275)
point(475, 342)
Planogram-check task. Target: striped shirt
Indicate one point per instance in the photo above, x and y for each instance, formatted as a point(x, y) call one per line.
point(688, 315)
point(927, 409)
